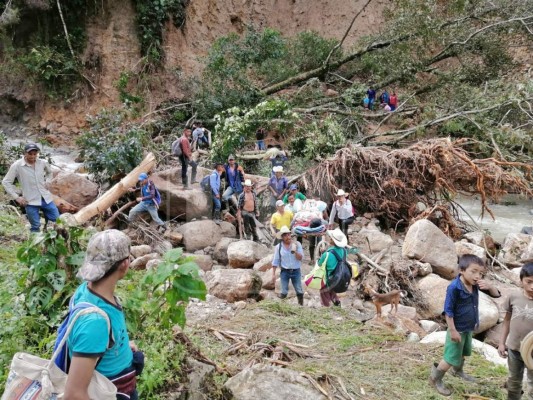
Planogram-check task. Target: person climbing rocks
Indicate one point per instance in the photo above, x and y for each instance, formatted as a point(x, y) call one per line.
point(148, 201)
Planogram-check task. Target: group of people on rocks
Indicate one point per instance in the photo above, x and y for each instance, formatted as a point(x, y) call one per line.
point(388, 102)
point(108, 258)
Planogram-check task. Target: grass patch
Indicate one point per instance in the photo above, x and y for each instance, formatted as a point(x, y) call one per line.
point(376, 361)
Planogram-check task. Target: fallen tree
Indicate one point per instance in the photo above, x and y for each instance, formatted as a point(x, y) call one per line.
point(101, 204)
point(390, 183)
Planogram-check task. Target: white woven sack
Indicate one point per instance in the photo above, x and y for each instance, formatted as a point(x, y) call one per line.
point(526, 350)
point(34, 378)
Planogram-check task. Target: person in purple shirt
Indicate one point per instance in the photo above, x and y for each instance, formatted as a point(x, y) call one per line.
point(278, 186)
point(371, 97)
point(214, 182)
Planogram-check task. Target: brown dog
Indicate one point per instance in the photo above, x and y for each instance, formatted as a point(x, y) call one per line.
point(380, 299)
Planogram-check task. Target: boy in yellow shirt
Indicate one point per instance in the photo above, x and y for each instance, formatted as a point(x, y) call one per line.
point(280, 218)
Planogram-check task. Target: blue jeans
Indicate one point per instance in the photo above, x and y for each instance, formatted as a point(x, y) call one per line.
point(145, 206)
point(516, 375)
point(217, 205)
point(261, 145)
point(50, 211)
point(293, 275)
point(228, 193)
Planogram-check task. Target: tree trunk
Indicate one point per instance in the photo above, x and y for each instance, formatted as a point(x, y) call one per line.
point(112, 195)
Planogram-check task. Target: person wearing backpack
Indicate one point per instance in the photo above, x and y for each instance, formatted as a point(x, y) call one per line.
point(288, 257)
point(90, 345)
point(182, 150)
point(214, 184)
point(148, 201)
point(336, 251)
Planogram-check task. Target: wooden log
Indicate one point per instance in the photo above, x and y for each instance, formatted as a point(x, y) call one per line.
point(112, 195)
point(64, 206)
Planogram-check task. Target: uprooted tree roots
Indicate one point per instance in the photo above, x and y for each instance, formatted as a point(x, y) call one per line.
point(390, 183)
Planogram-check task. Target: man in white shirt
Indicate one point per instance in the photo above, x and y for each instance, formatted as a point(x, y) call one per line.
point(32, 174)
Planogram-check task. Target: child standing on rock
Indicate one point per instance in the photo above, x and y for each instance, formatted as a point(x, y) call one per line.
point(518, 323)
point(462, 316)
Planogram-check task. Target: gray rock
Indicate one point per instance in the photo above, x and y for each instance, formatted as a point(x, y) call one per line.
point(234, 284)
point(429, 326)
point(140, 263)
point(201, 234)
point(220, 253)
point(463, 247)
point(141, 250)
point(413, 338)
point(264, 264)
point(203, 261)
point(268, 382)
point(74, 188)
point(378, 240)
point(245, 253)
point(200, 379)
point(427, 243)
point(515, 246)
point(527, 230)
point(424, 269)
point(152, 264)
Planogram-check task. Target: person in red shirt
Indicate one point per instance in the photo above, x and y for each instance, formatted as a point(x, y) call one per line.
point(186, 159)
point(393, 101)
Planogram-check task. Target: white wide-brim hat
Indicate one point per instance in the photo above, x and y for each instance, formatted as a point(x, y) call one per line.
point(341, 193)
point(282, 231)
point(248, 182)
point(277, 168)
point(338, 237)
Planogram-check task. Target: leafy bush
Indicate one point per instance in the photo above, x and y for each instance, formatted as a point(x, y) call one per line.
point(318, 139)
point(111, 148)
point(122, 85)
point(235, 125)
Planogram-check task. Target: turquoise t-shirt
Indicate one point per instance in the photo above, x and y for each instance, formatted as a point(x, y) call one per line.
point(90, 337)
point(332, 261)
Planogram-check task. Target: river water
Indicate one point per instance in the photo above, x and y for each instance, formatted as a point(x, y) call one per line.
point(511, 214)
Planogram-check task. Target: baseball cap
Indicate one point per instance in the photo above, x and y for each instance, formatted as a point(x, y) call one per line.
point(279, 203)
point(31, 146)
point(293, 187)
point(231, 157)
point(143, 176)
point(103, 251)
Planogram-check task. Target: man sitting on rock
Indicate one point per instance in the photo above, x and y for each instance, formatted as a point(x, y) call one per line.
point(247, 210)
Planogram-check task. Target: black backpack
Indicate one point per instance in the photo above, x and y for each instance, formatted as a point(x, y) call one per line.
point(339, 279)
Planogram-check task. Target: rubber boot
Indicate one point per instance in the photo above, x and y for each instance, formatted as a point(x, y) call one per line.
point(435, 379)
point(255, 236)
point(217, 217)
point(300, 299)
point(282, 296)
point(458, 372)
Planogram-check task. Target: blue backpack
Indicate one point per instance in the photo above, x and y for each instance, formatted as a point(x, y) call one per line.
point(205, 184)
point(60, 357)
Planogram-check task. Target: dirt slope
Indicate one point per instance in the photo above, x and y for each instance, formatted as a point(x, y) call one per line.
point(113, 48)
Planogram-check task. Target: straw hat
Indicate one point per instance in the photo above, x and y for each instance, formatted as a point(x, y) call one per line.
point(341, 193)
point(338, 238)
point(248, 182)
point(282, 231)
point(277, 168)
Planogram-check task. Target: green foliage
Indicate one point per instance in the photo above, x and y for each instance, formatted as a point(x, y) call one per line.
point(163, 293)
point(237, 67)
point(52, 258)
point(318, 139)
point(122, 86)
point(111, 147)
point(152, 16)
point(56, 70)
point(236, 125)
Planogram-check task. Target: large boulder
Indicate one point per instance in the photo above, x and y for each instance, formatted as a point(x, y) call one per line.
point(527, 255)
point(434, 288)
point(74, 188)
point(268, 382)
point(221, 250)
point(245, 253)
point(427, 243)
point(234, 284)
point(463, 247)
point(264, 264)
point(204, 262)
point(378, 240)
point(514, 248)
point(481, 239)
point(176, 202)
point(201, 234)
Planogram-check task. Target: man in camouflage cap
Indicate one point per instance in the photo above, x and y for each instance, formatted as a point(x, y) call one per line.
point(90, 344)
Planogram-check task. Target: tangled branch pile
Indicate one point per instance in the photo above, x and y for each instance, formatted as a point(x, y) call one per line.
point(391, 182)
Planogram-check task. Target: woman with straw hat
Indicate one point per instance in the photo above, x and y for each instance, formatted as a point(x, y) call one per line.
point(337, 243)
point(343, 210)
